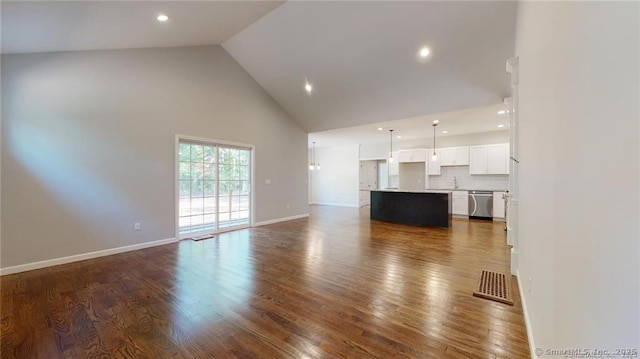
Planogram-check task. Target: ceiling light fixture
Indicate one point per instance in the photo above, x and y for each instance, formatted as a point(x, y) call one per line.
point(162, 18)
point(500, 126)
point(399, 136)
point(424, 52)
point(308, 87)
point(390, 146)
point(502, 112)
point(314, 165)
point(445, 131)
point(380, 128)
point(434, 157)
point(436, 121)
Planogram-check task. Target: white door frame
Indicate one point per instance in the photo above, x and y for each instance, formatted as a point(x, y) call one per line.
point(514, 192)
point(178, 138)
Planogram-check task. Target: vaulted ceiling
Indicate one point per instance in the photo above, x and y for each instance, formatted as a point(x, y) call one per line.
point(360, 57)
point(42, 26)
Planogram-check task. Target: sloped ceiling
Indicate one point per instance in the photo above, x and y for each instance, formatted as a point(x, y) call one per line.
point(44, 26)
point(361, 58)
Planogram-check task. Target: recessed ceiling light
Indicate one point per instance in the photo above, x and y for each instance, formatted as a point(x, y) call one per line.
point(162, 18)
point(424, 52)
point(436, 121)
point(445, 131)
point(308, 87)
point(380, 129)
point(399, 136)
point(502, 112)
point(500, 126)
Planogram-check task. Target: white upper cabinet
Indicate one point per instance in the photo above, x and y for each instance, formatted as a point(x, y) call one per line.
point(496, 158)
point(489, 159)
point(405, 155)
point(478, 160)
point(454, 156)
point(448, 157)
point(417, 155)
point(434, 166)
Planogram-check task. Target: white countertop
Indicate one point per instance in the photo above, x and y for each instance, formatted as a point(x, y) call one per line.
point(413, 190)
point(437, 190)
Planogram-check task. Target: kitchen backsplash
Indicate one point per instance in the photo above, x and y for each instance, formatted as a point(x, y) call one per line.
point(467, 181)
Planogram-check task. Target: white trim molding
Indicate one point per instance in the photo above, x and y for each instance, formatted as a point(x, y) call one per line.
point(337, 204)
point(83, 256)
point(527, 322)
point(283, 219)
point(512, 68)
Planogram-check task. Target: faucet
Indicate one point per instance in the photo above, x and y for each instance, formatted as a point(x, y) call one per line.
point(455, 182)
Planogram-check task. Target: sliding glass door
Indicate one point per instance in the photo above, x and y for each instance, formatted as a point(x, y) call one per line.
point(214, 187)
point(234, 184)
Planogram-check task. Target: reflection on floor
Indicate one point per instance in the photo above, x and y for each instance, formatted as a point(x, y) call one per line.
point(332, 285)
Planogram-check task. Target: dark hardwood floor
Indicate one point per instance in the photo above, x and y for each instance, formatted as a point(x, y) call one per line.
point(333, 285)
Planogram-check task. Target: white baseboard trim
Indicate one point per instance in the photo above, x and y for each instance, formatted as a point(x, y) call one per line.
point(527, 322)
point(337, 204)
point(81, 257)
point(278, 220)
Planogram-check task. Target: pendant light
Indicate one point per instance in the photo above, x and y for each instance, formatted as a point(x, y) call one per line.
point(314, 165)
point(390, 146)
point(434, 157)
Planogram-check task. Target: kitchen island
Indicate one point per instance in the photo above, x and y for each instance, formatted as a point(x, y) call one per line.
point(423, 208)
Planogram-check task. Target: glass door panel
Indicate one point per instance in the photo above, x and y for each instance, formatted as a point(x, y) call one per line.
point(214, 189)
point(235, 177)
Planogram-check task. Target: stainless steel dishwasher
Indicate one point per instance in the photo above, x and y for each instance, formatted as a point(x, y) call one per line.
point(481, 205)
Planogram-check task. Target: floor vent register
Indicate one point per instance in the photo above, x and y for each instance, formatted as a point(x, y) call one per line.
point(199, 238)
point(494, 286)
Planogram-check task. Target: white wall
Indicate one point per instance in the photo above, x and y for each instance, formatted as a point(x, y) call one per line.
point(88, 144)
point(411, 176)
point(337, 182)
point(579, 173)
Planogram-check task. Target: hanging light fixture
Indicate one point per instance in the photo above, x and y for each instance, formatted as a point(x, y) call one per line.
point(314, 165)
point(434, 157)
point(390, 146)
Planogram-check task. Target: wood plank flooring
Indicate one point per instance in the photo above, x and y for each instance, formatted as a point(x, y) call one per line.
point(335, 285)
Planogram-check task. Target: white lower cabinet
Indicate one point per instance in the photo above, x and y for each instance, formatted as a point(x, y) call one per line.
point(498, 205)
point(417, 155)
point(460, 203)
